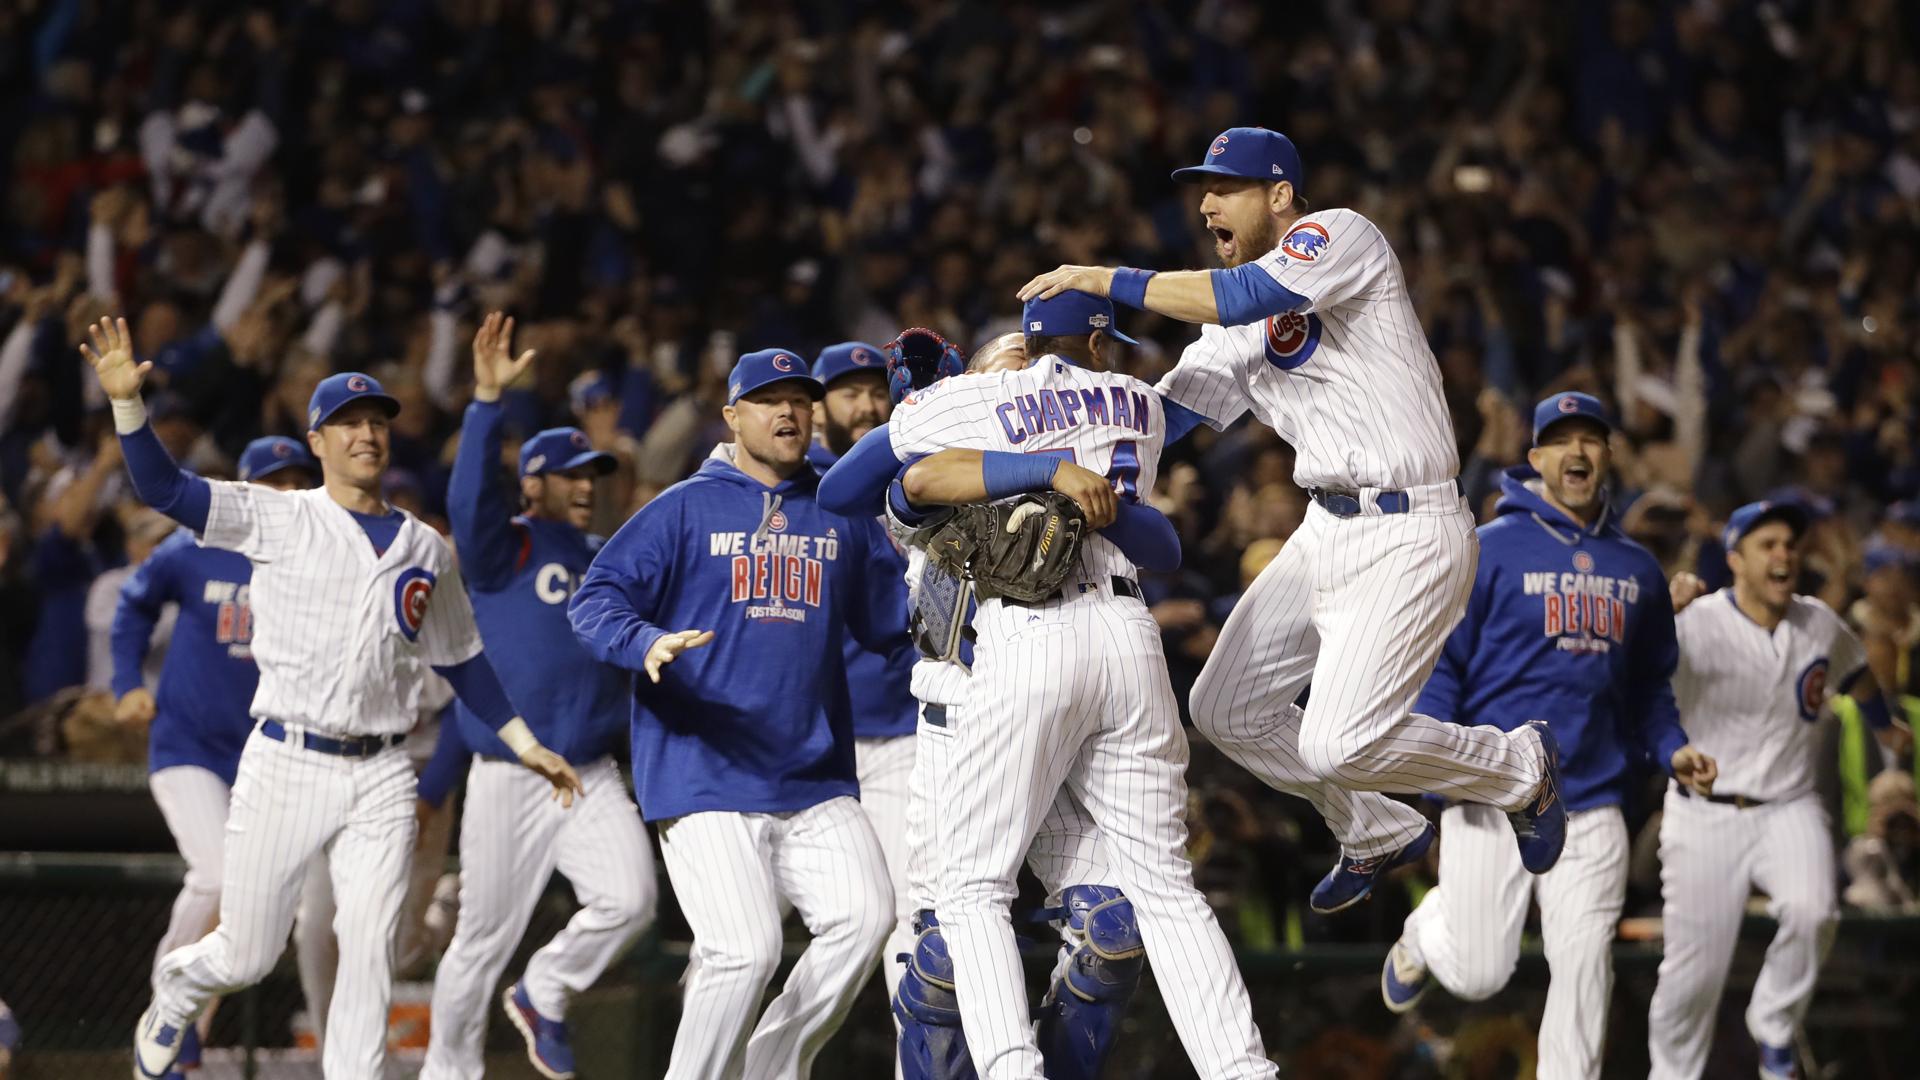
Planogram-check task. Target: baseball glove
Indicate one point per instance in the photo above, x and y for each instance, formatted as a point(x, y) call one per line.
point(1020, 549)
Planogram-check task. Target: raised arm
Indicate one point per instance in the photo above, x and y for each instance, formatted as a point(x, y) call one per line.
point(479, 510)
point(161, 484)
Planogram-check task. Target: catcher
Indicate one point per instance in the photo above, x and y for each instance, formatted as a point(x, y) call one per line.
point(1069, 688)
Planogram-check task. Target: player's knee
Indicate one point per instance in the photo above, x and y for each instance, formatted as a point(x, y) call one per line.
point(754, 955)
point(1484, 974)
point(873, 913)
point(1330, 756)
point(1805, 916)
point(630, 904)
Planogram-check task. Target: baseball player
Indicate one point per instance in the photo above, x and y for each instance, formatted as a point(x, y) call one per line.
point(345, 626)
point(1310, 326)
point(1757, 663)
point(197, 718)
point(521, 571)
point(1101, 956)
point(878, 684)
point(1070, 692)
point(743, 751)
point(1569, 619)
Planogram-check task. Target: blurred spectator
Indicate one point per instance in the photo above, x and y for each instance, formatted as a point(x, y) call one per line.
point(1883, 866)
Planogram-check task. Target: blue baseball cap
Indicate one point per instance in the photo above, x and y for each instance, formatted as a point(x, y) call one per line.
point(1250, 153)
point(588, 390)
point(1565, 407)
point(264, 457)
point(337, 391)
point(559, 449)
point(769, 366)
point(1753, 515)
point(847, 358)
point(1071, 314)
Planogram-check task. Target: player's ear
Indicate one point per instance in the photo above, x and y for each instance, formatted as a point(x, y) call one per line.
point(1093, 350)
point(732, 417)
point(314, 442)
point(1280, 197)
point(1534, 458)
point(530, 489)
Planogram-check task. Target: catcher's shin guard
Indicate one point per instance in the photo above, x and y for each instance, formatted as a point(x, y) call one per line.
point(1080, 1018)
point(931, 1044)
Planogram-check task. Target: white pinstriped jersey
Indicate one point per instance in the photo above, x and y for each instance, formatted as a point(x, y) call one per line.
point(344, 637)
point(1750, 699)
point(1349, 381)
point(1101, 420)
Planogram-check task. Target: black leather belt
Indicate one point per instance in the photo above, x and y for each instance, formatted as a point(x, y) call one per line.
point(1347, 504)
point(351, 746)
point(1740, 801)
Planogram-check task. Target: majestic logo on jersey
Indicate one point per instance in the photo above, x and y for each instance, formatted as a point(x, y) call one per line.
point(1583, 612)
point(411, 591)
point(782, 362)
point(1306, 242)
point(1219, 147)
point(1066, 408)
point(1291, 339)
point(358, 384)
point(777, 576)
point(1810, 690)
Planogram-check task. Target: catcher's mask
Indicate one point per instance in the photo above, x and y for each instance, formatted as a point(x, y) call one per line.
point(917, 359)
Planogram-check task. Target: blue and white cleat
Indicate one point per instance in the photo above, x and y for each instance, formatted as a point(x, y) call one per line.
point(1541, 825)
point(1404, 980)
point(1777, 1063)
point(156, 1045)
point(548, 1046)
point(1352, 880)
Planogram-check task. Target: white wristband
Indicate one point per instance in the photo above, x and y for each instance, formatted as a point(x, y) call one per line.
point(518, 737)
point(129, 415)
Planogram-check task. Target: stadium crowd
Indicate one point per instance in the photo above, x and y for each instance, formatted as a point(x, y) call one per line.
point(1705, 213)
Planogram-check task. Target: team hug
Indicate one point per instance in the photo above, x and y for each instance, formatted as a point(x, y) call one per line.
point(889, 643)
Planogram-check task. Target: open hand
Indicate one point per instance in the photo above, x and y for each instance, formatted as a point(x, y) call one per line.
point(566, 782)
point(672, 645)
point(1093, 492)
point(494, 365)
point(1095, 280)
point(112, 359)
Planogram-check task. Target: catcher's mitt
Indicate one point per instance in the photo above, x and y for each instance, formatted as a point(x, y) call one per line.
point(1020, 549)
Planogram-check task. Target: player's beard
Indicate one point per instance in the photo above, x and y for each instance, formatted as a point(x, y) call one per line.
point(839, 437)
point(1251, 243)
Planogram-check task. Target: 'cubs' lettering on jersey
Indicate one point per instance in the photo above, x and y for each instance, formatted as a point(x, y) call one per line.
point(1066, 408)
point(1587, 612)
point(1291, 339)
point(411, 592)
point(782, 570)
point(554, 583)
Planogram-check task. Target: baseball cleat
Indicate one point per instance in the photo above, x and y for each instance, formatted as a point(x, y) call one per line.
point(1541, 825)
point(156, 1044)
point(1352, 880)
point(548, 1045)
point(1777, 1063)
point(1403, 979)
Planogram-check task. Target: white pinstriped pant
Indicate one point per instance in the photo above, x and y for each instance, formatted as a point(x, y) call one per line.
point(1467, 930)
point(1374, 597)
point(730, 871)
point(288, 804)
point(1074, 694)
point(885, 768)
point(1711, 857)
point(512, 839)
point(194, 803)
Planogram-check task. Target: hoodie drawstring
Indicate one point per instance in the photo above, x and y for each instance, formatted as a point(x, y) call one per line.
point(769, 506)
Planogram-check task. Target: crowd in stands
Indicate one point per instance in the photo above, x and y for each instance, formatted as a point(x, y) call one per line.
point(1706, 213)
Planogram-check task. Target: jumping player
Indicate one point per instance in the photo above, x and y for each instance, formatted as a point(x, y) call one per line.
point(1069, 693)
point(345, 626)
point(1310, 326)
point(1568, 619)
point(878, 684)
point(521, 570)
point(743, 752)
point(197, 717)
point(1756, 665)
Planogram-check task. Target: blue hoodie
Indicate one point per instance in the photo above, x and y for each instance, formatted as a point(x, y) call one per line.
point(758, 720)
point(1571, 625)
point(880, 686)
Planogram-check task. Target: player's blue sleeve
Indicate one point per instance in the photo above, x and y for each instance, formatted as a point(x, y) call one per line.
point(141, 600)
point(1650, 708)
point(166, 487)
point(1247, 293)
point(479, 690)
point(856, 486)
point(443, 770)
point(1440, 698)
point(1145, 537)
point(483, 531)
point(1180, 420)
point(876, 599)
point(612, 611)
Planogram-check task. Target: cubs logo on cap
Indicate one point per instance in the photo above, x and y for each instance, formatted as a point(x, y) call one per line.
point(782, 362)
point(1306, 242)
point(412, 591)
point(1219, 147)
point(270, 454)
point(562, 449)
point(1566, 406)
point(357, 383)
point(337, 391)
point(1249, 153)
point(846, 358)
point(1755, 514)
point(768, 366)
